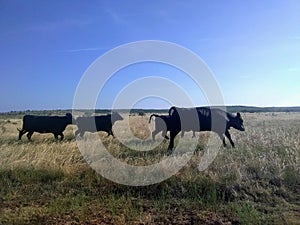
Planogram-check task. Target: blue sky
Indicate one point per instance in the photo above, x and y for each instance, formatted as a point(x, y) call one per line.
point(252, 47)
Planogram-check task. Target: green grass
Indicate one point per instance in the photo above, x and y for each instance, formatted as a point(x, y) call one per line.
point(50, 194)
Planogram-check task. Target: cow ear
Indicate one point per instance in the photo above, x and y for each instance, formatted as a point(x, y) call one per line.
point(238, 115)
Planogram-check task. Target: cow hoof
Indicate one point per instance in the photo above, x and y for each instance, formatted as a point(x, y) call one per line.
point(169, 151)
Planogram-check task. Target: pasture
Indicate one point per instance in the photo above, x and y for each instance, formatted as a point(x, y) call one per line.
point(48, 182)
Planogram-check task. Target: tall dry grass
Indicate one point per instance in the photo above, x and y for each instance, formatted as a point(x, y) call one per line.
point(269, 147)
point(258, 178)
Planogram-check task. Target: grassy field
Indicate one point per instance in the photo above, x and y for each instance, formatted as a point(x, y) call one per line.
point(48, 182)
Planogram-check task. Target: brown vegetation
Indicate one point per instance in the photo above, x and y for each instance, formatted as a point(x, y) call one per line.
point(47, 181)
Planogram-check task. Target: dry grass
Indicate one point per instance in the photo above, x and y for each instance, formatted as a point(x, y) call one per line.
point(46, 181)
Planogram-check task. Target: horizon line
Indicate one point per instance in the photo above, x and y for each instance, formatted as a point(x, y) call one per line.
point(124, 109)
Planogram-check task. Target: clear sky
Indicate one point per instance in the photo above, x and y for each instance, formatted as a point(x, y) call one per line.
point(252, 47)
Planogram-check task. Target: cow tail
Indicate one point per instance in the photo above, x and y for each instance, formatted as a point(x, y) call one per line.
point(151, 117)
point(171, 110)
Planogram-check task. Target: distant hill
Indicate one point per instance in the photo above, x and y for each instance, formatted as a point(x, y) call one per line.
point(253, 109)
point(237, 108)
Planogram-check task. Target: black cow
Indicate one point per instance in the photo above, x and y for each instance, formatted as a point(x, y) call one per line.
point(97, 123)
point(162, 123)
point(203, 119)
point(45, 124)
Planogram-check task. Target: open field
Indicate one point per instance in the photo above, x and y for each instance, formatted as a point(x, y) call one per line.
point(48, 182)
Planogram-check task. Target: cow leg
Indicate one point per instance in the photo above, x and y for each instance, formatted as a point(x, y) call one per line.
point(172, 137)
point(194, 134)
point(155, 132)
point(21, 133)
point(164, 134)
point(182, 134)
point(110, 132)
point(79, 132)
point(227, 134)
point(223, 139)
point(30, 133)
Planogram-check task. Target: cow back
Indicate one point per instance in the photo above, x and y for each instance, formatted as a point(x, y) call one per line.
point(198, 119)
point(46, 124)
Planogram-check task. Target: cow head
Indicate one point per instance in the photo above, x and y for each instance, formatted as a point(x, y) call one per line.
point(69, 118)
point(237, 122)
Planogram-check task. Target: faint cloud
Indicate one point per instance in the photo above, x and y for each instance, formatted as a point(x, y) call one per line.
point(285, 71)
point(57, 25)
point(84, 49)
point(116, 17)
point(294, 69)
point(124, 18)
point(47, 27)
point(164, 16)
